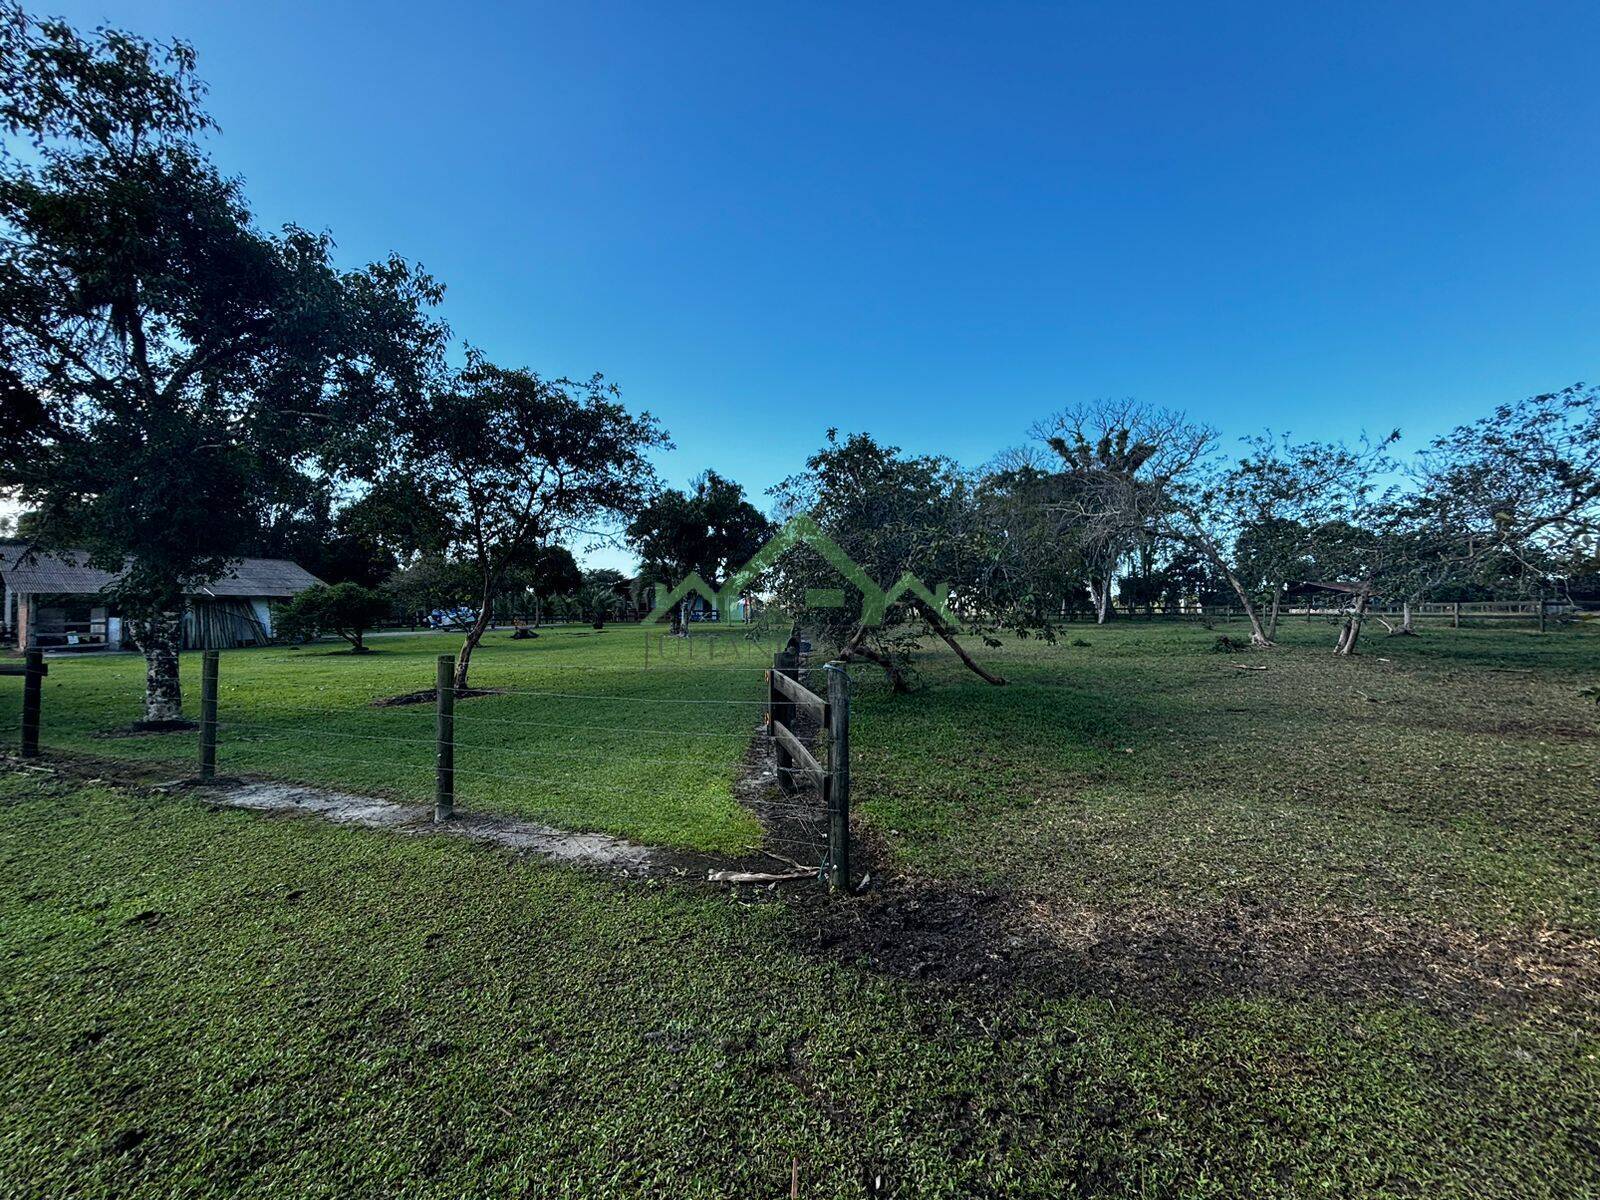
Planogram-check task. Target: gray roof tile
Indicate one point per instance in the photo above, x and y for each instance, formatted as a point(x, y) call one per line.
point(69, 572)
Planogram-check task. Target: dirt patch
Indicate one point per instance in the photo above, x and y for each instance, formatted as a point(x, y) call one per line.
point(592, 849)
point(151, 728)
point(1165, 956)
point(431, 695)
point(795, 823)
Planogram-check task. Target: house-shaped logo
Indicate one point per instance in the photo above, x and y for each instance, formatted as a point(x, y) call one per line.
point(804, 531)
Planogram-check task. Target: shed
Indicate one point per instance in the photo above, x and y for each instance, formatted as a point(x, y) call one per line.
point(56, 599)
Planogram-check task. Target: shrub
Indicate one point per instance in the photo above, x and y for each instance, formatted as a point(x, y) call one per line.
point(346, 609)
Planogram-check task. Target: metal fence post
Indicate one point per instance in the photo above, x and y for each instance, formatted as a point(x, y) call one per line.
point(838, 778)
point(208, 714)
point(33, 674)
point(444, 772)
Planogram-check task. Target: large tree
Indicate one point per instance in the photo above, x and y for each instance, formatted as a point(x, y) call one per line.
point(493, 462)
point(1257, 517)
point(1117, 461)
point(178, 368)
point(1517, 493)
point(894, 516)
point(711, 530)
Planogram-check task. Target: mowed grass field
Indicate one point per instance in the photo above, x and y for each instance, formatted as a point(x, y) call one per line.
point(1153, 926)
point(587, 733)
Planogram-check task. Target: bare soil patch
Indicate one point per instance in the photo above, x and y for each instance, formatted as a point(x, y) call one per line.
point(148, 728)
point(1167, 956)
point(431, 695)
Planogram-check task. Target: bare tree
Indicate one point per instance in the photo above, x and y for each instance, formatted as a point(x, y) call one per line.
point(1118, 462)
point(1519, 488)
point(1255, 517)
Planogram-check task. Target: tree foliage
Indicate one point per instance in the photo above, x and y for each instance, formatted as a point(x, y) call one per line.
point(892, 514)
point(710, 530)
point(176, 369)
point(346, 609)
point(493, 462)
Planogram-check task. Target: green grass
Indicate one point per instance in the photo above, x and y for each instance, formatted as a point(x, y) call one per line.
point(206, 1001)
point(215, 1002)
point(1456, 779)
point(655, 766)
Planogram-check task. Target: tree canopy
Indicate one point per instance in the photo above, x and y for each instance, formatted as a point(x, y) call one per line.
point(176, 368)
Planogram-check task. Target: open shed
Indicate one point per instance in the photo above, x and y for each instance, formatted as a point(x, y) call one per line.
point(57, 600)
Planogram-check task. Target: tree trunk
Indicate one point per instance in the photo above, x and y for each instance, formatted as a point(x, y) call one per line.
point(474, 636)
point(1274, 612)
point(1350, 631)
point(856, 647)
point(160, 636)
point(1405, 629)
point(1100, 597)
point(945, 632)
point(1258, 635)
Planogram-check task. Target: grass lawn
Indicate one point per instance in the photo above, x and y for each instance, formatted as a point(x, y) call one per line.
point(560, 746)
point(1325, 929)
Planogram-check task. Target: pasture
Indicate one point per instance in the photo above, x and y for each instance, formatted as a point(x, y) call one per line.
point(1148, 924)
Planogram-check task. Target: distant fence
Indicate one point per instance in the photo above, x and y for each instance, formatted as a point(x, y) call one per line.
point(1457, 612)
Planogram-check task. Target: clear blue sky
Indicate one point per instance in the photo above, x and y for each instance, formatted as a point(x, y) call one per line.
point(937, 222)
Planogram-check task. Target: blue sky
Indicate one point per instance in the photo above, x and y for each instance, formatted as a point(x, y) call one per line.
point(939, 222)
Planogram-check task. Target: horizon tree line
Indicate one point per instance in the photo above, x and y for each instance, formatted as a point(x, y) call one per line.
point(181, 388)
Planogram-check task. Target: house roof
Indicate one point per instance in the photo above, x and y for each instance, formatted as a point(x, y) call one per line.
point(68, 572)
point(1333, 585)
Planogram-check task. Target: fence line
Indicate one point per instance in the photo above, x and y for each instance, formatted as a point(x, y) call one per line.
point(785, 696)
point(294, 749)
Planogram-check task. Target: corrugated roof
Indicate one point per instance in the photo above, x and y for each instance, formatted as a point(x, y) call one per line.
point(69, 572)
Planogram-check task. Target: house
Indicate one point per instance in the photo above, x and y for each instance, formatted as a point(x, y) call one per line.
point(55, 600)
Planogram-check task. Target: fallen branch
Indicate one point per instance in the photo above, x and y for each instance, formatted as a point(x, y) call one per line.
point(936, 623)
point(1245, 667)
point(784, 858)
point(759, 876)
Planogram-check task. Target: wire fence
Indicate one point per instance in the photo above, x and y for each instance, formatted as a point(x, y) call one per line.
point(661, 757)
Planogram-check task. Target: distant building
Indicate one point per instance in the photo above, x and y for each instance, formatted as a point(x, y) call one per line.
point(56, 600)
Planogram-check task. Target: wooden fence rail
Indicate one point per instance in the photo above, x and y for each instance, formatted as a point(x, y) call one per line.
point(785, 696)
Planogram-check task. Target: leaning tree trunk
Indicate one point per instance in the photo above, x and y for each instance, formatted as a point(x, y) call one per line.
point(1350, 631)
point(161, 636)
point(468, 645)
point(944, 631)
point(857, 647)
point(1258, 635)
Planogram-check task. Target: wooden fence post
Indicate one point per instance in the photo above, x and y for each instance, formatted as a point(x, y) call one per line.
point(208, 714)
point(781, 711)
point(838, 778)
point(444, 770)
point(1455, 615)
point(33, 674)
